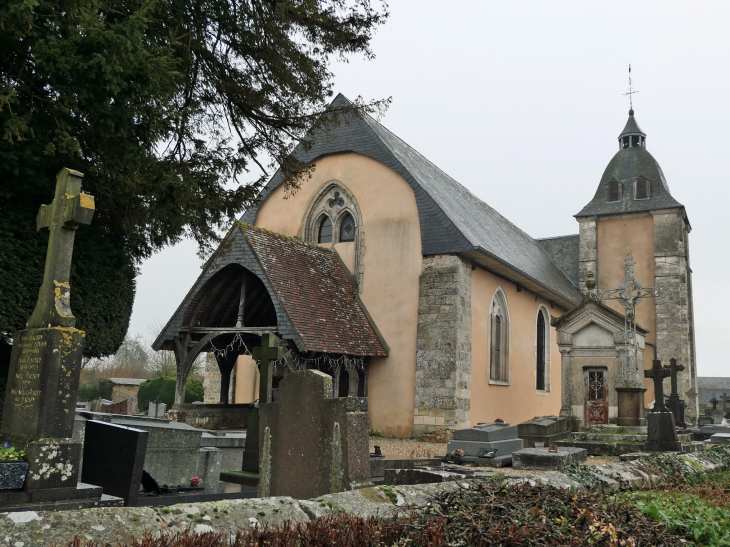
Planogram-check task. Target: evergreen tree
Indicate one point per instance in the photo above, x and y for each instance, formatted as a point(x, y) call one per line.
point(166, 106)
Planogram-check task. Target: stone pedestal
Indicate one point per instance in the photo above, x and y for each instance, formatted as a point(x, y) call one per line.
point(677, 407)
point(631, 406)
point(252, 449)
point(661, 432)
point(38, 415)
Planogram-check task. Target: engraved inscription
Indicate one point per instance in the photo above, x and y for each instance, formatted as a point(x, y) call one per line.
point(26, 387)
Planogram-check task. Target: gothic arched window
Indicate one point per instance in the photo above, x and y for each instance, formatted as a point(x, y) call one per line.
point(325, 231)
point(499, 339)
point(347, 229)
point(540, 382)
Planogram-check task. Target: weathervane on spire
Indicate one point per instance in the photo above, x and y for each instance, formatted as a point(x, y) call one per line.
point(630, 93)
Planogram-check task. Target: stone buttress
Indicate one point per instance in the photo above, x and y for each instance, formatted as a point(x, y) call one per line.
point(443, 356)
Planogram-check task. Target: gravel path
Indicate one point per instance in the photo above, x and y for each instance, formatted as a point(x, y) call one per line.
point(418, 449)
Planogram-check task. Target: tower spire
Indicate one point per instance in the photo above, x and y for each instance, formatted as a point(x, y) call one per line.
point(630, 93)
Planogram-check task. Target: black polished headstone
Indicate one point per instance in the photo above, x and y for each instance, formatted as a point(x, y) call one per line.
point(114, 459)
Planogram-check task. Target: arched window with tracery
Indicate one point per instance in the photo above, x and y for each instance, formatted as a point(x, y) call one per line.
point(324, 235)
point(499, 337)
point(334, 217)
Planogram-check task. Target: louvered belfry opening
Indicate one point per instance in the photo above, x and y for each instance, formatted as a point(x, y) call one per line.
point(540, 384)
point(614, 191)
point(642, 188)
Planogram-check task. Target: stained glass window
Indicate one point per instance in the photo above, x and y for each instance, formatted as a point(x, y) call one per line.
point(347, 229)
point(325, 231)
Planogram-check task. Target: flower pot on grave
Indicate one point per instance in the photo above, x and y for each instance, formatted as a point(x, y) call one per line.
point(456, 458)
point(12, 474)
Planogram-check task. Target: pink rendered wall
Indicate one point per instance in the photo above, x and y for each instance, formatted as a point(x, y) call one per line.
point(392, 266)
point(518, 401)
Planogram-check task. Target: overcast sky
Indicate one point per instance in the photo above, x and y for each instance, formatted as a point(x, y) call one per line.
point(522, 103)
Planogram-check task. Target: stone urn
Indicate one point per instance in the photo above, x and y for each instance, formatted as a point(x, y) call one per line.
point(12, 474)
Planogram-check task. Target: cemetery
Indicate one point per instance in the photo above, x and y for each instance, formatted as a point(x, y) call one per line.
point(369, 354)
point(246, 461)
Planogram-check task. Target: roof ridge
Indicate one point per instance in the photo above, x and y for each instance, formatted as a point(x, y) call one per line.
point(472, 194)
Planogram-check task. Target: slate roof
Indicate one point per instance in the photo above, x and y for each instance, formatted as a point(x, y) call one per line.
point(316, 305)
point(714, 383)
point(631, 127)
point(565, 251)
point(452, 219)
point(626, 166)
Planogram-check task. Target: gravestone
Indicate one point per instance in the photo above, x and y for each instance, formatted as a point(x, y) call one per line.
point(114, 459)
point(661, 431)
point(675, 404)
point(40, 400)
point(484, 438)
point(313, 444)
point(269, 351)
point(543, 459)
point(544, 430)
point(156, 409)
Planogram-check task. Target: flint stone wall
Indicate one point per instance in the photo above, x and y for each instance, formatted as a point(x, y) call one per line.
point(443, 356)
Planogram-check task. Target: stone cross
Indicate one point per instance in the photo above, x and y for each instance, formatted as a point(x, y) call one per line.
point(269, 351)
point(674, 368)
point(658, 373)
point(714, 402)
point(629, 294)
point(69, 209)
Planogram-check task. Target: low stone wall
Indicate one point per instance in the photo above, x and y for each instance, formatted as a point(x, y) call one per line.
point(35, 529)
point(213, 416)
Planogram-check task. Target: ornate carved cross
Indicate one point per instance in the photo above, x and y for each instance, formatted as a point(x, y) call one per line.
point(657, 372)
point(269, 351)
point(629, 294)
point(69, 209)
point(674, 368)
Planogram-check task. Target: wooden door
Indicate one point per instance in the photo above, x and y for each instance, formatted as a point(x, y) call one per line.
point(596, 404)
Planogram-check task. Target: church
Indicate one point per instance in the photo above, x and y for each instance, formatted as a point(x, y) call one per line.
point(391, 276)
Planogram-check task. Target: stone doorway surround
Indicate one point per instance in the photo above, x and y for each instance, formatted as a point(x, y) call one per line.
point(591, 336)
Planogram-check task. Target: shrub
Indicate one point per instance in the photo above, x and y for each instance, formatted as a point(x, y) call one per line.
point(101, 389)
point(163, 389)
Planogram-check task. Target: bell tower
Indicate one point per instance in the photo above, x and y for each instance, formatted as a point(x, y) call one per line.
point(634, 212)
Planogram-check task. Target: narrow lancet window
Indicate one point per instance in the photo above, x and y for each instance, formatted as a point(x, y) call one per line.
point(347, 229)
point(540, 383)
point(325, 231)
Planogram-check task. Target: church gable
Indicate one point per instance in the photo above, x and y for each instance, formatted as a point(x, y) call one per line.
point(452, 219)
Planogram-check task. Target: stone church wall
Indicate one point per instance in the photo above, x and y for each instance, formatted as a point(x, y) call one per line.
point(674, 313)
point(443, 358)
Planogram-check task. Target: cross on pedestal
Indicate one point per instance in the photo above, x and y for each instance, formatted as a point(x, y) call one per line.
point(629, 294)
point(657, 372)
point(714, 402)
point(674, 368)
point(69, 209)
point(269, 351)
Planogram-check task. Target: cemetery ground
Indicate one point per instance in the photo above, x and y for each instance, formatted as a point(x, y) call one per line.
point(667, 500)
